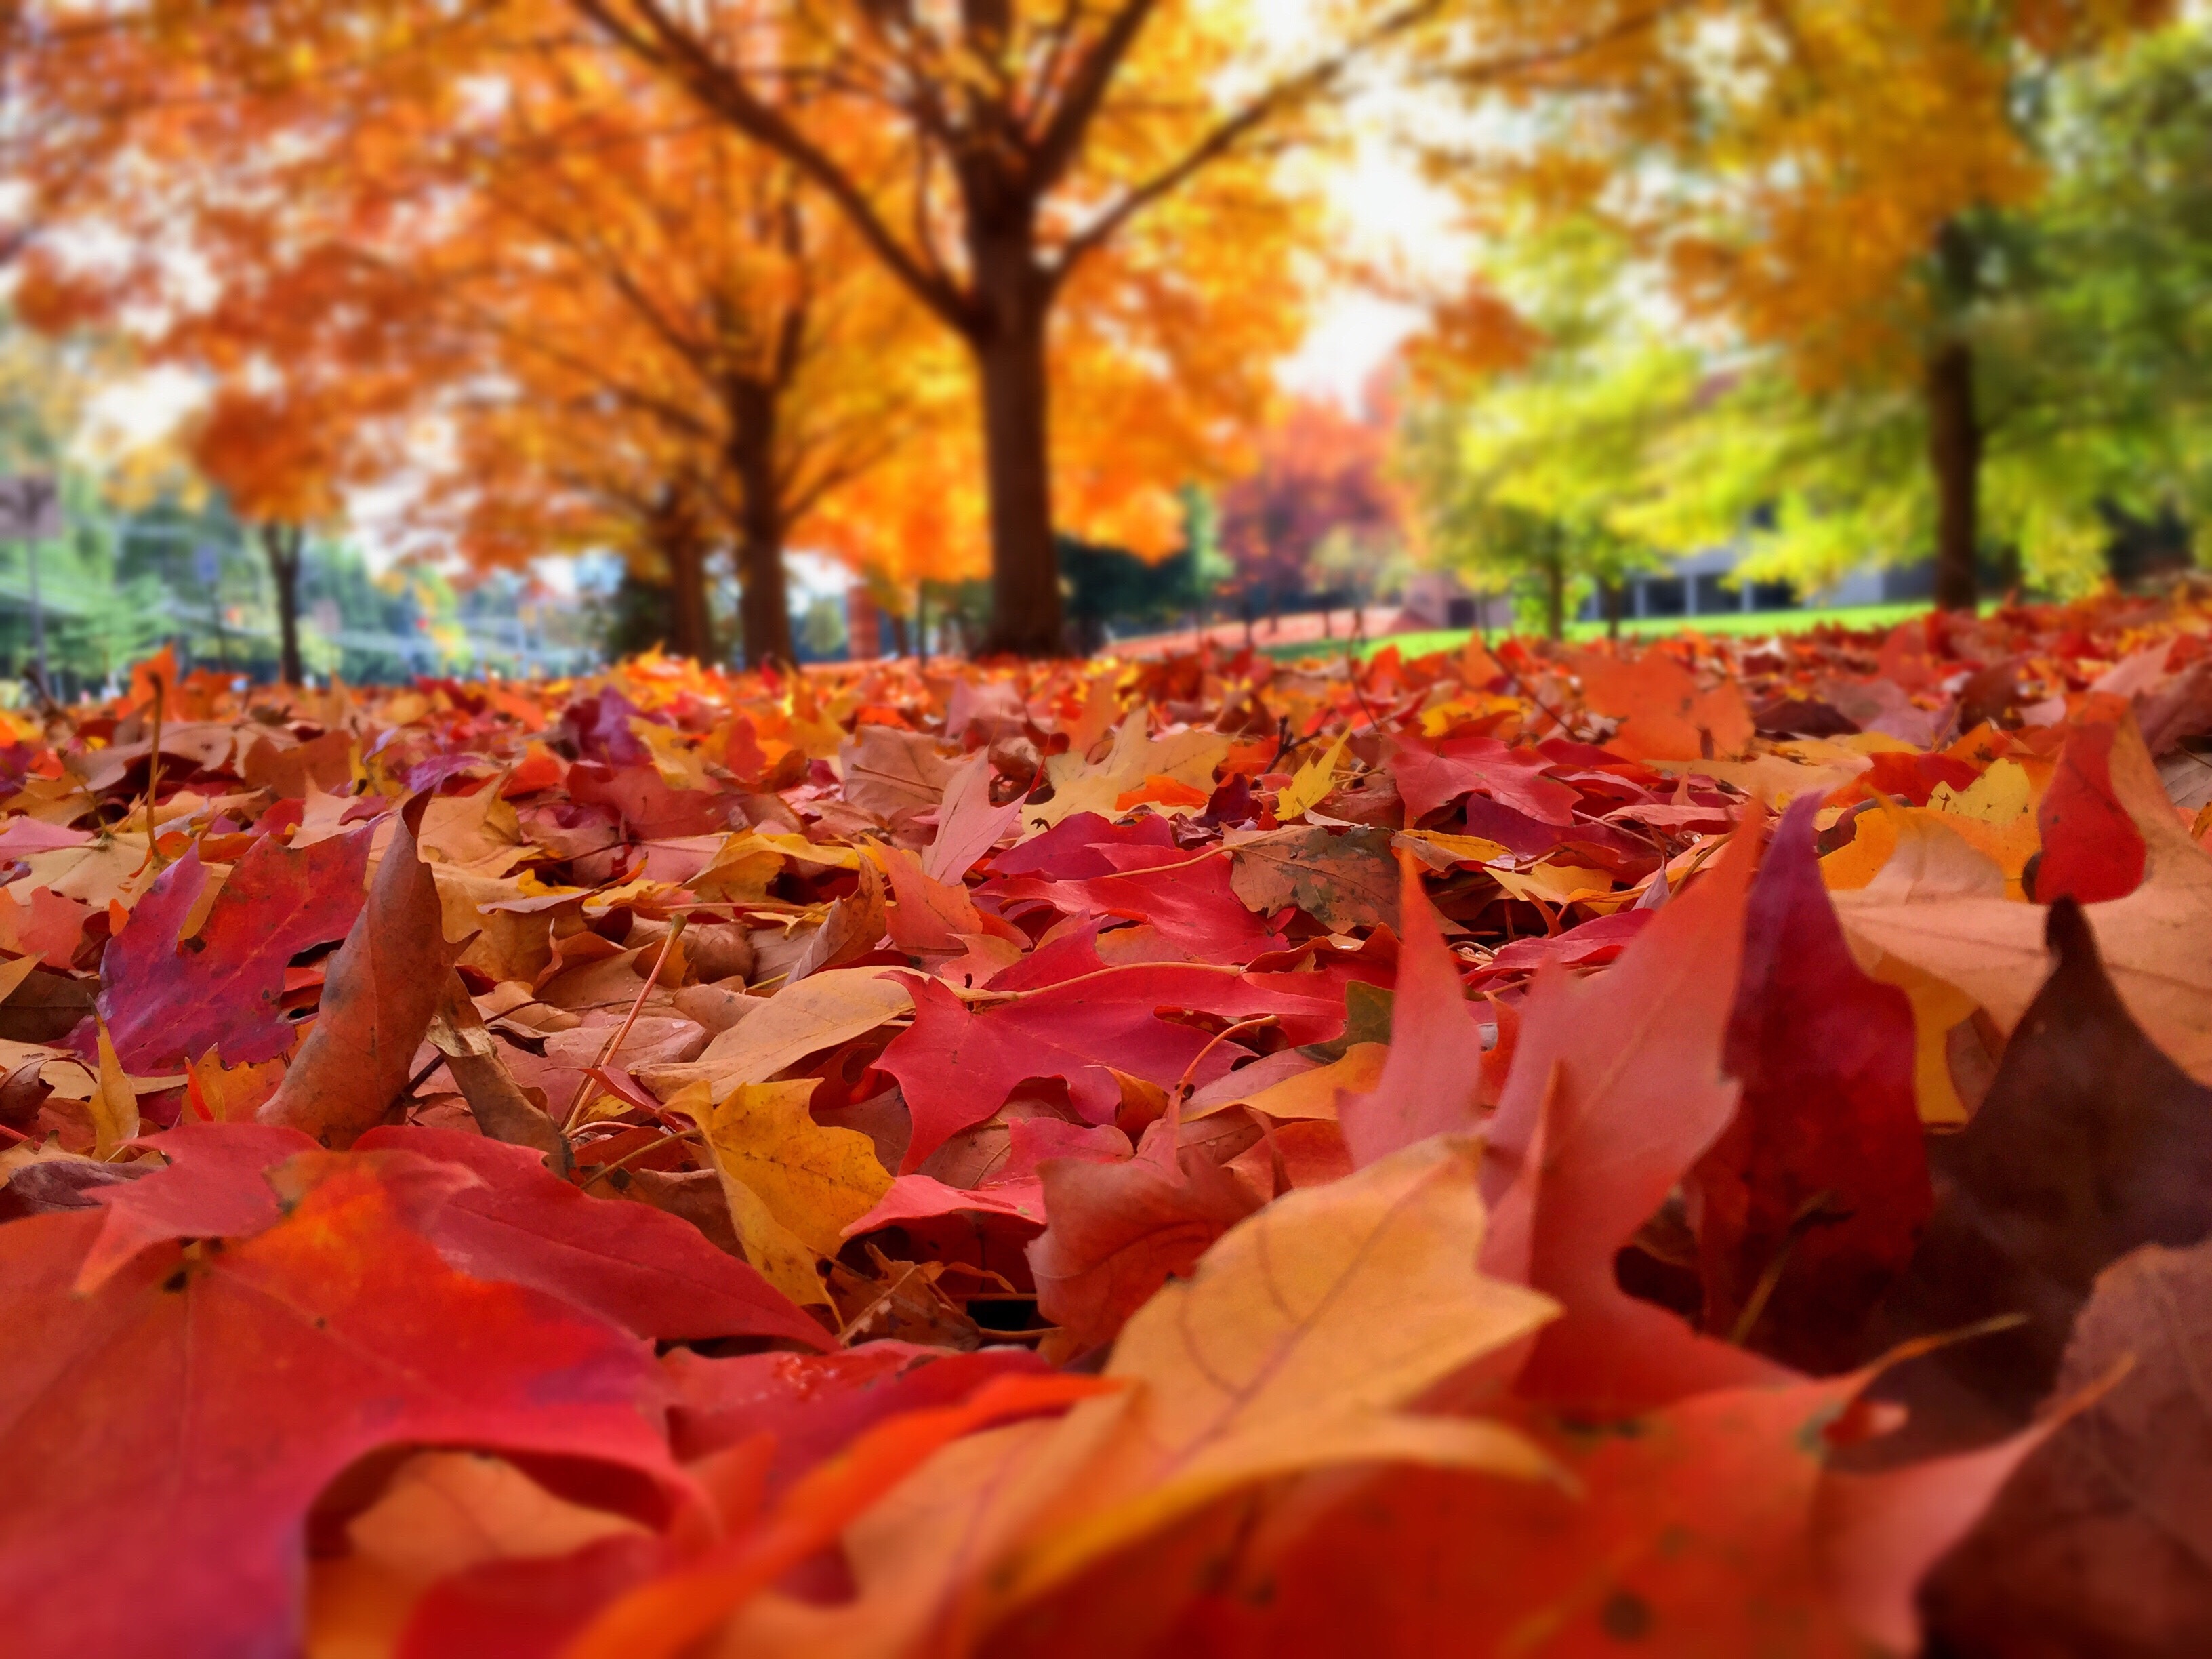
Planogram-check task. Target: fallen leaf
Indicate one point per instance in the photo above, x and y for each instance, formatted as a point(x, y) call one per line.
point(823, 1011)
point(1311, 782)
point(663, 1617)
point(968, 825)
point(164, 1006)
point(1431, 777)
point(888, 771)
point(957, 1066)
point(1432, 1079)
point(630, 1264)
point(1811, 1201)
point(814, 1180)
point(1665, 714)
point(249, 1377)
point(1617, 1089)
point(2102, 1543)
point(1342, 880)
point(382, 988)
point(1187, 759)
point(1299, 1343)
point(2091, 851)
point(2156, 942)
point(2092, 1144)
point(1705, 1527)
point(1116, 1232)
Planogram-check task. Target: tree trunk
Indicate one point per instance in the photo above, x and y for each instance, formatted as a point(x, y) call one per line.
point(1010, 362)
point(1555, 598)
point(763, 600)
point(1954, 450)
point(282, 543)
point(1612, 593)
point(691, 623)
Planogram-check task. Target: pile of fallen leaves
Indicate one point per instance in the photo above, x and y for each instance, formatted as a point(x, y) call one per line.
point(1508, 1152)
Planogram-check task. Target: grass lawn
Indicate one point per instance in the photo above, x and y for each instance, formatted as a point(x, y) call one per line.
point(1756, 622)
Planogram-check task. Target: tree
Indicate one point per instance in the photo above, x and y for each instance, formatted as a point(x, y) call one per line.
point(994, 155)
point(1542, 456)
point(273, 456)
point(1837, 182)
point(2089, 345)
point(1322, 473)
point(624, 325)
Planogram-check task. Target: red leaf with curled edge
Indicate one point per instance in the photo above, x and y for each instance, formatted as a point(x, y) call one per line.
point(164, 1006)
point(815, 1403)
point(1432, 1083)
point(1591, 945)
point(214, 1186)
point(1430, 776)
point(382, 988)
point(1810, 1203)
point(1712, 1526)
point(650, 810)
point(643, 1269)
point(2091, 850)
point(1013, 1190)
point(956, 1065)
point(1075, 847)
point(162, 1439)
point(646, 1270)
point(1117, 1231)
point(1187, 900)
point(1617, 1089)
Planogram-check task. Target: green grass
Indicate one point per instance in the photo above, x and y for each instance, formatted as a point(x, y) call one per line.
point(1737, 623)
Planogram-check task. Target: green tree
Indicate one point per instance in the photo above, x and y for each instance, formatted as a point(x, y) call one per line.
point(2089, 319)
point(1539, 475)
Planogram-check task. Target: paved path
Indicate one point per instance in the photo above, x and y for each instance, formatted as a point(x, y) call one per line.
point(1303, 628)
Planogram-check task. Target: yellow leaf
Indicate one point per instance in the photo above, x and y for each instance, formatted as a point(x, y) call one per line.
point(822, 1010)
point(784, 1262)
point(814, 1180)
point(1314, 781)
point(1305, 1332)
point(1998, 796)
point(1188, 757)
point(1996, 816)
point(1456, 850)
point(1937, 1011)
point(114, 1102)
point(1309, 1094)
point(1554, 884)
point(675, 754)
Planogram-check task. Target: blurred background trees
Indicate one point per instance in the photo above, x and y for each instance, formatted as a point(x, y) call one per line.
point(988, 306)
